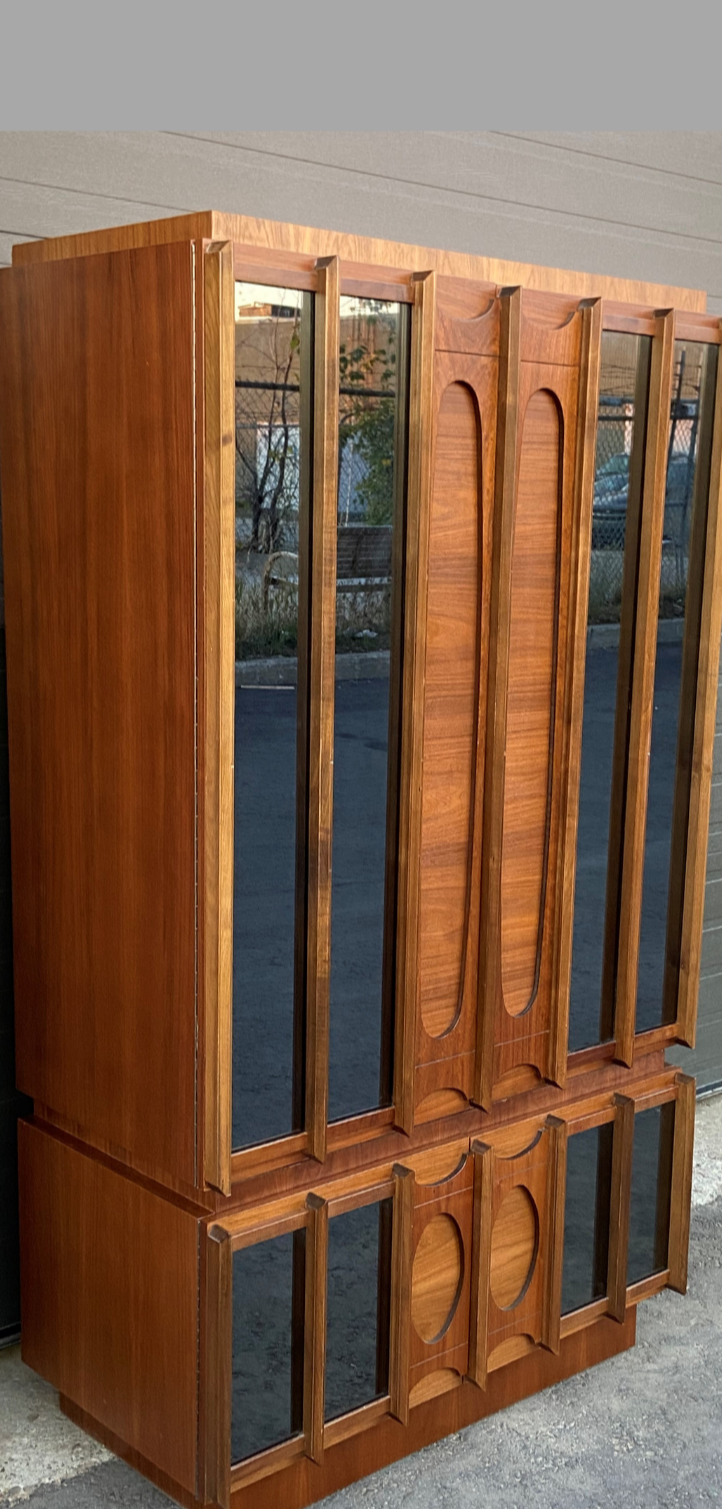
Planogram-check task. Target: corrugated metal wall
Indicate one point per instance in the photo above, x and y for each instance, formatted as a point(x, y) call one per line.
point(635, 204)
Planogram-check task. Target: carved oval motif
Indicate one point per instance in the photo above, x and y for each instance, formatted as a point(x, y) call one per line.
point(530, 722)
point(436, 1278)
point(450, 710)
point(514, 1247)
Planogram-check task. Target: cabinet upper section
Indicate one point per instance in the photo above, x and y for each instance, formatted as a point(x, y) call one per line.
point(344, 585)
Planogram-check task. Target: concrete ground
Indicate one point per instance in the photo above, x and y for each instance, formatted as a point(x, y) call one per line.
point(644, 1428)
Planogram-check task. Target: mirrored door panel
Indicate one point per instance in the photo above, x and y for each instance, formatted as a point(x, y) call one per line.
point(618, 479)
point(586, 1217)
point(273, 341)
point(675, 678)
point(372, 395)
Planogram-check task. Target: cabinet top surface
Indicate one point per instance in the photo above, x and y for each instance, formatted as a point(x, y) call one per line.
point(275, 236)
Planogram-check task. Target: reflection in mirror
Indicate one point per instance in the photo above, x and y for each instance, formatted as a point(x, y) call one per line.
point(368, 620)
point(675, 679)
point(273, 327)
point(649, 1208)
point(357, 1309)
point(621, 432)
point(586, 1217)
point(267, 1365)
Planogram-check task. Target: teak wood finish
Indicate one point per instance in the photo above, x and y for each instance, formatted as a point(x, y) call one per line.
point(116, 436)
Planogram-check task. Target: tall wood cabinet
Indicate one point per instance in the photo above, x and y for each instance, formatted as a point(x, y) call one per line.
point(363, 611)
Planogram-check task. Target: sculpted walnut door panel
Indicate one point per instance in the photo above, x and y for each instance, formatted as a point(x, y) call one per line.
point(452, 742)
point(542, 508)
point(531, 711)
point(453, 746)
point(508, 501)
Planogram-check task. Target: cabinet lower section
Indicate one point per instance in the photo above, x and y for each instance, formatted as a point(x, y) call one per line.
point(273, 1353)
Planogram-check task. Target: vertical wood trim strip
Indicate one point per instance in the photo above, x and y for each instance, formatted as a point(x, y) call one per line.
point(314, 1341)
point(556, 1192)
point(481, 1262)
point(401, 1256)
point(622, 1149)
point(218, 1367)
point(681, 1199)
point(645, 654)
point(218, 707)
point(499, 627)
point(703, 744)
point(418, 509)
point(571, 731)
point(321, 699)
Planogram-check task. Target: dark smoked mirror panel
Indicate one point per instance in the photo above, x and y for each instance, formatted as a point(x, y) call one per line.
point(272, 349)
point(621, 430)
point(586, 1217)
point(367, 666)
point(685, 512)
point(267, 1366)
point(649, 1209)
point(357, 1313)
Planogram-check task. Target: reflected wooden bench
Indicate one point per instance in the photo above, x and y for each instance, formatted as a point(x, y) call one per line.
point(363, 562)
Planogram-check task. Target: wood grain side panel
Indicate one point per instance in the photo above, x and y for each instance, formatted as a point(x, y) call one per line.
point(98, 482)
point(530, 702)
point(450, 711)
point(110, 1299)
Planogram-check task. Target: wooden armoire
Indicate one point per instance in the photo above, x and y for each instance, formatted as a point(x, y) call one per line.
point(363, 611)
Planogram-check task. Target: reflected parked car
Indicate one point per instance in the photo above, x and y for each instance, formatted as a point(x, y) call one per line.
point(611, 488)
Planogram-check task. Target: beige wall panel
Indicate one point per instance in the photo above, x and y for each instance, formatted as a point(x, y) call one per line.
point(495, 193)
point(695, 154)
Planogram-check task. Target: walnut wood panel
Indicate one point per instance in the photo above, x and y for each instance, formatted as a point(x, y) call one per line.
point(518, 1241)
point(530, 706)
point(440, 1278)
point(110, 1299)
point(98, 481)
point(274, 237)
point(454, 714)
point(452, 684)
point(451, 613)
point(217, 618)
point(535, 633)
